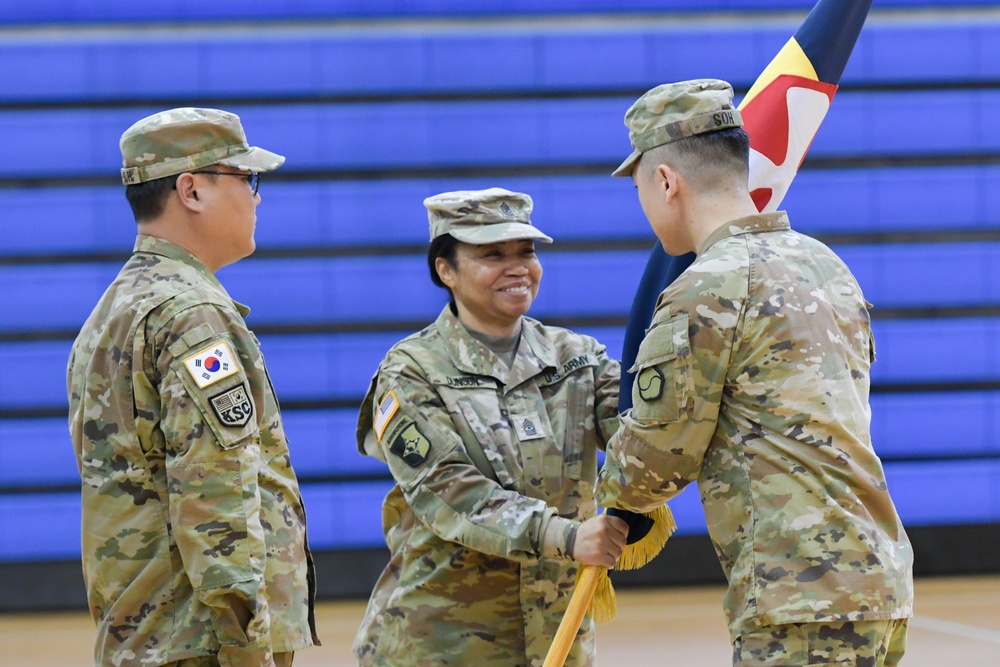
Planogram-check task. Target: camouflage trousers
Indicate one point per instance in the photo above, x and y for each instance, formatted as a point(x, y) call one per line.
point(280, 660)
point(860, 643)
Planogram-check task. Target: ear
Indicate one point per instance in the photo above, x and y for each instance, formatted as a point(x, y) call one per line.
point(668, 180)
point(187, 195)
point(445, 271)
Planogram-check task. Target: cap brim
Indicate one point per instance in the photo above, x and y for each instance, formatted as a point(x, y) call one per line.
point(626, 167)
point(498, 233)
point(255, 159)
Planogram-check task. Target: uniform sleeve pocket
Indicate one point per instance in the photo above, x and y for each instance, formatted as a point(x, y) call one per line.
point(212, 377)
point(661, 386)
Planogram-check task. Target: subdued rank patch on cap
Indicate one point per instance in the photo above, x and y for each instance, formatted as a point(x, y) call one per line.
point(674, 111)
point(233, 407)
point(386, 409)
point(528, 426)
point(650, 383)
point(411, 445)
point(493, 215)
point(211, 364)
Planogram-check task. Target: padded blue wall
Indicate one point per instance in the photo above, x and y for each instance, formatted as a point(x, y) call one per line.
point(903, 181)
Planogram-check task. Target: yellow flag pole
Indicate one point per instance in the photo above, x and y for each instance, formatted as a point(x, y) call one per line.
point(583, 593)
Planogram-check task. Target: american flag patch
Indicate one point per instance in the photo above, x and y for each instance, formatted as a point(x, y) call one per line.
point(386, 409)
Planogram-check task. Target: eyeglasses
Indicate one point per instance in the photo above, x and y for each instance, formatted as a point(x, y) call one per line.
point(252, 179)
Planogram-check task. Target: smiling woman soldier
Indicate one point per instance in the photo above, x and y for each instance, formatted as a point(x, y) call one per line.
point(489, 422)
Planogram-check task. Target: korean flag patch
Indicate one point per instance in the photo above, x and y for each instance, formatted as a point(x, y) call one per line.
point(211, 364)
point(233, 407)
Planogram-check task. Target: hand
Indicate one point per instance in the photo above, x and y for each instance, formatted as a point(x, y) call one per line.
point(600, 540)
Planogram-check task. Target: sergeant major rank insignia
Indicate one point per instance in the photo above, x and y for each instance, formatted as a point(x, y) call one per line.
point(411, 445)
point(528, 426)
point(233, 407)
point(650, 383)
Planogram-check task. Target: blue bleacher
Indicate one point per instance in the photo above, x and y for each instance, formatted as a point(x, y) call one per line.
point(593, 283)
point(63, 11)
point(347, 515)
point(512, 132)
point(527, 57)
point(338, 366)
point(966, 425)
point(96, 219)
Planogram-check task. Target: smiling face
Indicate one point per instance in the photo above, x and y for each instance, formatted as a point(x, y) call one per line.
point(493, 284)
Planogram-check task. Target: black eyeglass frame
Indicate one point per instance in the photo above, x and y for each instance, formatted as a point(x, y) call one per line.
point(252, 179)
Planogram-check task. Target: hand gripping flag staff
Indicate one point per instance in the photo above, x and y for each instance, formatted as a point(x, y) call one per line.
point(781, 112)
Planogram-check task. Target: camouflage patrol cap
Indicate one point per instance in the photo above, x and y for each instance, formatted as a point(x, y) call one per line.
point(179, 140)
point(674, 111)
point(482, 216)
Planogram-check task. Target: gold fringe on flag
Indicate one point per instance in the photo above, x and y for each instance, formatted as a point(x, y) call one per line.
point(639, 553)
point(604, 604)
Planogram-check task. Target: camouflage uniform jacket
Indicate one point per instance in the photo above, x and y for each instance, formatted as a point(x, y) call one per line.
point(494, 470)
point(191, 510)
point(753, 380)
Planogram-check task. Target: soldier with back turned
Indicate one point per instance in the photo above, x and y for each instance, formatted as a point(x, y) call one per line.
point(753, 381)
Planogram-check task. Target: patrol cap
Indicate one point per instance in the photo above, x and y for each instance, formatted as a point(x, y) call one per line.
point(673, 111)
point(482, 216)
point(179, 140)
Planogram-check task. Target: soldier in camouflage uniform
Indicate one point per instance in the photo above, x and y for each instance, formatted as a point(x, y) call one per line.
point(194, 533)
point(753, 380)
point(489, 422)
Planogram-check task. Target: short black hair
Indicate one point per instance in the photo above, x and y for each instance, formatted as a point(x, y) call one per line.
point(150, 198)
point(446, 247)
point(707, 156)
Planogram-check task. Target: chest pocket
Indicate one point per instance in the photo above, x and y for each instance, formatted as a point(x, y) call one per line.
point(475, 410)
point(492, 454)
point(662, 375)
point(570, 399)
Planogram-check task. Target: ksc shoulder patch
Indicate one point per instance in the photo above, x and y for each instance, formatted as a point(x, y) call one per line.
point(233, 407)
point(650, 383)
point(411, 445)
point(211, 364)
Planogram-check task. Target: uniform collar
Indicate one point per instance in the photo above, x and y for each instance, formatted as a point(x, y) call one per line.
point(155, 245)
point(535, 353)
point(751, 224)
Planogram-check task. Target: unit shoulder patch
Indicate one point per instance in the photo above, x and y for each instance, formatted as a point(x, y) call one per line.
point(411, 445)
point(650, 383)
point(233, 407)
point(211, 364)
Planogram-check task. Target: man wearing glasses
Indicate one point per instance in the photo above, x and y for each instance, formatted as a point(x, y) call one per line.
point(194, 533)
